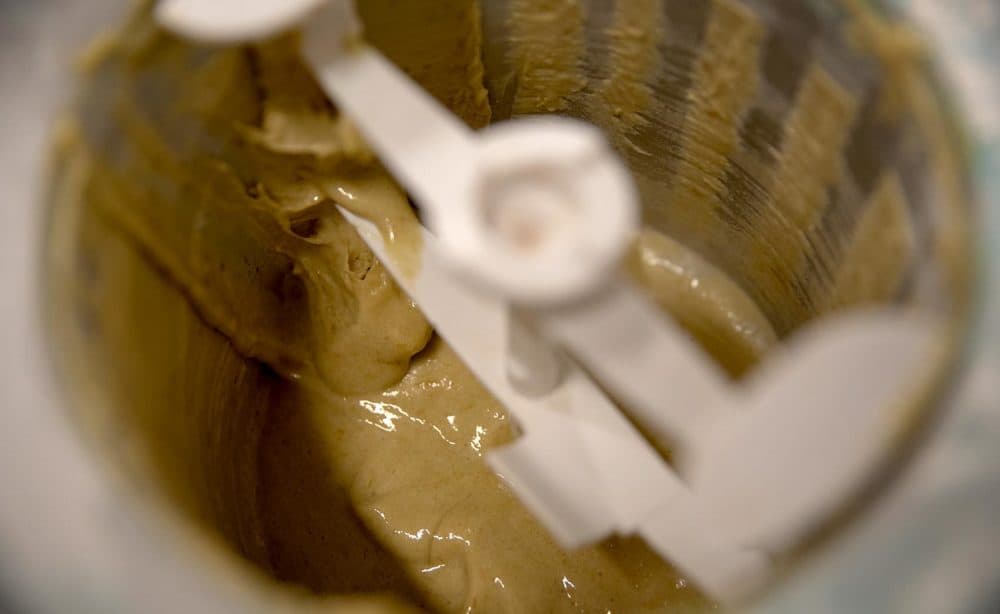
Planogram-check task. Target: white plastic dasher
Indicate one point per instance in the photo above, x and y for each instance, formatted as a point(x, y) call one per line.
point(528, 221)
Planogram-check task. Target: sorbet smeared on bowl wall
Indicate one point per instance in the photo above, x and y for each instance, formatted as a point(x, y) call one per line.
point(265, 370)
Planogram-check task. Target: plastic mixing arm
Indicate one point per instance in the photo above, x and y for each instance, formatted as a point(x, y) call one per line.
point(232, 21)
point(529, 213)
point(533, 217)
point(653, 367)
point(425, 146)
point(814, 424)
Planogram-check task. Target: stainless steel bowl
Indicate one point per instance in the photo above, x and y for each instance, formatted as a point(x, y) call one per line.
point(720, 167)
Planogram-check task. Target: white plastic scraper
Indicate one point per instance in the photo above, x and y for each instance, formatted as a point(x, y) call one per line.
point(528, 221)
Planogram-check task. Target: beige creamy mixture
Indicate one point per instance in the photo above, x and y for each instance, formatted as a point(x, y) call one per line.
point(286, 392)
